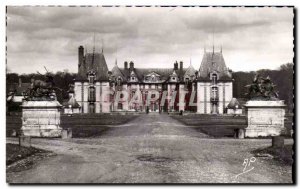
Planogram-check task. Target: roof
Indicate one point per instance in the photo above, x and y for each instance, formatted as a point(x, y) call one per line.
point(94, 62)
point(116, 72)
point(190, 71)
point(213, 61)
point(234, 104)
point(72, 101)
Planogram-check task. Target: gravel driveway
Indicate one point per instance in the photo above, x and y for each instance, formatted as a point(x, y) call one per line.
point(153, 148)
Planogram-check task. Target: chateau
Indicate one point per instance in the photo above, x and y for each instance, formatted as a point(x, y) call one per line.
point(207, 90)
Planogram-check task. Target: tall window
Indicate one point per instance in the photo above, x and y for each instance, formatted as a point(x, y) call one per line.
point(92, 95)
point(91, 79)
point(92, 108)
point(186, 82)
point(120, 106)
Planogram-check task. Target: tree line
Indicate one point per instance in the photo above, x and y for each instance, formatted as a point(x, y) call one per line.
point(62, 80)
point(282, 78)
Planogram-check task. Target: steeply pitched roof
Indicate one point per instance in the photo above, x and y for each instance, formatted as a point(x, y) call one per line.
point(72, 101)
point(234, 104)
point(116, 72)
point(94, 62)
point(213, 61)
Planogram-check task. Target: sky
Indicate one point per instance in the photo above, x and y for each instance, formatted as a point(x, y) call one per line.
point(250, 38)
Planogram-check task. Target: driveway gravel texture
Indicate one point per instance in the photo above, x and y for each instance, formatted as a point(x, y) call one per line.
point(153, 148)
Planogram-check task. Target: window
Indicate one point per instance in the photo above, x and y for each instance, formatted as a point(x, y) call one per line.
point(214, 78)
point(214, 91)
point(120, 106)
point(91, 108)
point(92, 94)
point(119, 81)
point(186, 82)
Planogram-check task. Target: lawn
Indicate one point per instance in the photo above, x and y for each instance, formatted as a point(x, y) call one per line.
point(19, 158)
point(214, 125)
point(223, 125)
point(282, 155)
point(82, 125)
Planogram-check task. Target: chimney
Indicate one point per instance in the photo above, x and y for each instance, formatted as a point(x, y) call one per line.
point(125, 65)
point(20, 82)
point(176, 65)
point(181, 65)
point(131, 65)
point(80, 56)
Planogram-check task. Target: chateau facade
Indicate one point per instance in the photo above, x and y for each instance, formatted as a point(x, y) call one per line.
point(204, 91)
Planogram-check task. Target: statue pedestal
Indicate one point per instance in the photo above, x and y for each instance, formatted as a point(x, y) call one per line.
point(41, 119)
point(265, 118)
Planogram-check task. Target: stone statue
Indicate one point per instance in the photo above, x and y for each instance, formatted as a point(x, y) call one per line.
point(262, 89)
point(42, 90)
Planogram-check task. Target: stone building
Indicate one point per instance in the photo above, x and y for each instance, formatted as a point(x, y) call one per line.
point(92, 82)
point(214, 84)
point(207, 91)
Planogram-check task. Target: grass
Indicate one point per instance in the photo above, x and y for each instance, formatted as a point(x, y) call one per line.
point(214, 125)
point(14, 152)
point(282, 155)
point(223, 125)
point(82, 125)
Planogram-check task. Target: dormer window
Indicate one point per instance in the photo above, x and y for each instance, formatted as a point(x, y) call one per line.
point(132, 77)
point(91, 79)
point(214, 78)
point(153, 78)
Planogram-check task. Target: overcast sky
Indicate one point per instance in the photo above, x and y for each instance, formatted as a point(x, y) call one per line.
point(251, 38)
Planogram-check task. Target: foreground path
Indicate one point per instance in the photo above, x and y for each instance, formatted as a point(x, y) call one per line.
point(151, 149)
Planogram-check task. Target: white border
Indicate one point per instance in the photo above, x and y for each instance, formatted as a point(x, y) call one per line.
point(109, 2)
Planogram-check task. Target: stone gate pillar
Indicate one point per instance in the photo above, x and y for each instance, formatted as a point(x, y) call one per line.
point(264, 118)
point(41, 118)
